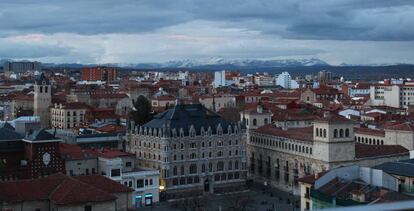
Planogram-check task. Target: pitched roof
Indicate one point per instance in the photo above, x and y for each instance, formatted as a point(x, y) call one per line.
point(104, 183)
point(369, 131)
point(311, 179)
point(183, 116)
point(402, 167)
point(333, 118)
point(40, 135)
point(42, 80)
point(406, 126)
point(7, 133)
point(304, 134)
point(365, 150)
point(62, 189)
point(73, 191)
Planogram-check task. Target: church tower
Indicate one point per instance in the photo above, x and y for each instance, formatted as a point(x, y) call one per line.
point(42, 100)
point(333, 138)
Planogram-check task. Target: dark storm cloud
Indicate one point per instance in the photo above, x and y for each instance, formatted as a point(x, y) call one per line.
point(323, 19)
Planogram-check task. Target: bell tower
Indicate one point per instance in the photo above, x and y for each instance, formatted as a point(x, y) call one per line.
point(333, 138)
point(42, 100)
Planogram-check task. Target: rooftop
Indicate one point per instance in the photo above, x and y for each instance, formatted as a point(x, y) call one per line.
point(304, 134)
point(63, 190)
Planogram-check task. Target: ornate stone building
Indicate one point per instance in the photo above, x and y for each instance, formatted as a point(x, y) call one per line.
point(279, 156)
point(195, 150)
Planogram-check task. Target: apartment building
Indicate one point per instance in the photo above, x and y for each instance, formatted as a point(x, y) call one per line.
point(68, 115)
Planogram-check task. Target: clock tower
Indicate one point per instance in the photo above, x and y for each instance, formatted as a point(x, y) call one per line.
point(42, 154)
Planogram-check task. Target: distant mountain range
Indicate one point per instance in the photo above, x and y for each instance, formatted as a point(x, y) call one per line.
point(219, 63)
point(222, 63)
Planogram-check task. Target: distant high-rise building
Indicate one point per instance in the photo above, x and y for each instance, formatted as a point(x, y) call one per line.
point(324, 76)
point(107, 74)
point(224, 78)
point(285, 80)
point(23, 66)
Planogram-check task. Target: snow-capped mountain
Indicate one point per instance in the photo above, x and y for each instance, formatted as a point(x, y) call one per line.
point(220, 62)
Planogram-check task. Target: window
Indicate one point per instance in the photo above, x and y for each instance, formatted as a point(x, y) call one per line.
point(317, 132)
point(193, 169)
point(182, 170)
point(324, 133)
point(128, 164)
point(150, 182)
point(236, 164)
point(266, 121)
point(341, 133)
point(175, 171)
point(88, 208)
point(347, 132)
point(220, 166)
point(254, 122)
point(115, 172)
point(335, 133)
point(230, 165)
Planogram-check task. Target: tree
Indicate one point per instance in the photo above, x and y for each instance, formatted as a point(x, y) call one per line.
point(141, 111)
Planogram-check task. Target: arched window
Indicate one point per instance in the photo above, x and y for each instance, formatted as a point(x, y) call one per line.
point(324, 133)
point(45, 89)
point(203, 168)
point(220, 166)
point(359, 139)
point(254, 122)
point(382, 142)
point(320, 132)
point(335, 133)
point(41, 89)
point(347, 132)
point(341, 133)
point(230, 165)
point(236, 164)
point(317, 132)
point(182, 170)
point(175, 171)
point(210, 167)
point(266, 121)
point(193, 169)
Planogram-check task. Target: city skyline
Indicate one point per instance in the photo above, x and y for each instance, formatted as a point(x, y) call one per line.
point(352, 32)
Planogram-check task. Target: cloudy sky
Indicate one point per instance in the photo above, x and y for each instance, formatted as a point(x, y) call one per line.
point(134, 31)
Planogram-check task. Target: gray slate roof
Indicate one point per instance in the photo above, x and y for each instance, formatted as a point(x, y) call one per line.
point(402, 167)
point(40, 135)
point(8, 133)
point(183, 116)
point(42, 78)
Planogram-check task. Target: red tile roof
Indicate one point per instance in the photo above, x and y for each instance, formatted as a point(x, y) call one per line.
point(368, 131)
point(75, 152)
point(311, 179)
point(404, 127)
point(73, 191)
point(365, 150)
point(304, 134)
point(62, 189)
point(114, 153)
point(104, 183)
point(333, 118)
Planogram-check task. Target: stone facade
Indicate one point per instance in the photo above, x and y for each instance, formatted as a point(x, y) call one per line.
point(193, 159)
point(188, 162)
point(279, 156)
point(42, 100)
